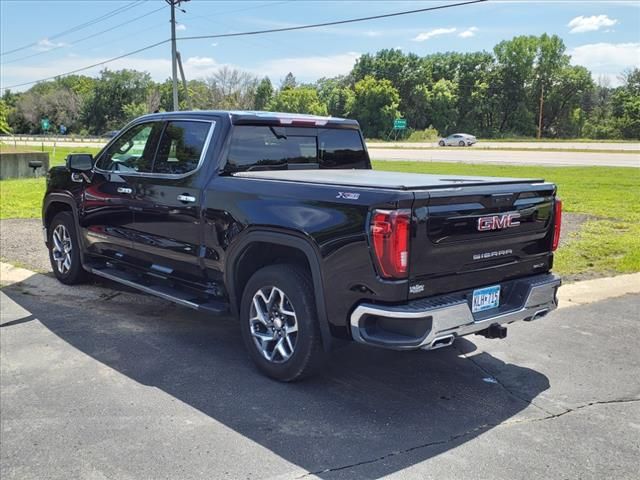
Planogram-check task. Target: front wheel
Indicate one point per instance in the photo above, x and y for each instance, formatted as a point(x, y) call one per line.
point(441, 143)
point(462, 144)
point(64, 250)
point(279, 323)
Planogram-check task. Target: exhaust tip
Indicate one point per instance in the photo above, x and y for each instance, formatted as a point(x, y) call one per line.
point(538, 314)
point(442, 342)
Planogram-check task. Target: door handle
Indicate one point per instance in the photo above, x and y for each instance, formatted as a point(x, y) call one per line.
point(186, 198)
point(124, 190)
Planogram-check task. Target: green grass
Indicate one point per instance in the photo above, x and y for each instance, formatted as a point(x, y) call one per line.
point(608, 243)
point(21, 197)
point(54, 160)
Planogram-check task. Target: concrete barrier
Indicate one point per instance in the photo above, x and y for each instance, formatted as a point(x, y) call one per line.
point(16, 164)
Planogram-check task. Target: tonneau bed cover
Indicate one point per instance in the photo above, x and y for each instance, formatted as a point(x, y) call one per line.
point(380, 179)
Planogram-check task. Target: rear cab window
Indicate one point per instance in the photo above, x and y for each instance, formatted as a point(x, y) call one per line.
point(263, 147)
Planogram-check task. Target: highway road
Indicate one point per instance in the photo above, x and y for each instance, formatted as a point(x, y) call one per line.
point(621, 146)
point(476, 154)
point(504, 157)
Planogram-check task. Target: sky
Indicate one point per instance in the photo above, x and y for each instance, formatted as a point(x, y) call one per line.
point(603, 36)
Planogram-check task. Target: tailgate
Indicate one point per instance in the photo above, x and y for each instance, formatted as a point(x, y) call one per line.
point(474, 236)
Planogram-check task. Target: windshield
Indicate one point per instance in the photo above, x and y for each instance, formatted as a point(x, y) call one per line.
point(255, 147)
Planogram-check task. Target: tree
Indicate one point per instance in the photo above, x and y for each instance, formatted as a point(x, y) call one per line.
point(264, 93)
point(288, 82)
point(439, 105)
point(298, 100)
point(4, 118)
point(112, 91)
point(232, 89)
point(375, 106)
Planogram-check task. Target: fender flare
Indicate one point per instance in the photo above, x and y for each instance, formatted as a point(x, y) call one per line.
point(289, 239)
point(59, 198)
point(66, 199)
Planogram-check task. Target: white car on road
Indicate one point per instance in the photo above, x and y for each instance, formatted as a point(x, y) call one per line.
point(458, 140)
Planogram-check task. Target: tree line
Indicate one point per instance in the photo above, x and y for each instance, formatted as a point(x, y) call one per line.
point(525, 84)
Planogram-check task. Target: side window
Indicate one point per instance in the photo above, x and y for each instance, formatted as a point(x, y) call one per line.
point(133, 151)
point(181, 146)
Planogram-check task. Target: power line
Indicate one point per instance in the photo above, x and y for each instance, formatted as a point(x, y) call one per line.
point(80, 26)
point(75, 42)
point(255, 32)
point(338, 22)
point(128, 54)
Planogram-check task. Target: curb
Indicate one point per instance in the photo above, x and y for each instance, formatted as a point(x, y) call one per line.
point(571, 295)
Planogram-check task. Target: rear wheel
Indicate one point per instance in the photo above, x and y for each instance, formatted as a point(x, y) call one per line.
point(461, 143)
point(64, 250)
point(441, 143)
point(279, 323)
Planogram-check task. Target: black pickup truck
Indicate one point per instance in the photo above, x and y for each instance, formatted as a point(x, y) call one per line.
point(280, 220)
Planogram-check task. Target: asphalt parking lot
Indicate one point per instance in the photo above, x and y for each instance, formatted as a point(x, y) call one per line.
point(103, 383)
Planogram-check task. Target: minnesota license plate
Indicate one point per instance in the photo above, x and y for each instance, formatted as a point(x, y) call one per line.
point(485, 299)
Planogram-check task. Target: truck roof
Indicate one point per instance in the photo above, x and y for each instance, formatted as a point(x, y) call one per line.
point(239, 117)
point(380, 179)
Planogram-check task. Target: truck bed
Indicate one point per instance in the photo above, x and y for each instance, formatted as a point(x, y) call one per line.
point(380, 179)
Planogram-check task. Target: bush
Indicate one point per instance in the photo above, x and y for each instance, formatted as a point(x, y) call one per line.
point(427, 135)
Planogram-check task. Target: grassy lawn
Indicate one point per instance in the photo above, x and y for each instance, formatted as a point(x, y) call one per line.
point(60, 152)
point(607, 243)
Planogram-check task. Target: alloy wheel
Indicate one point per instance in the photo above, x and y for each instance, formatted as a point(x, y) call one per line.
point(61, 248)
point(273, 324)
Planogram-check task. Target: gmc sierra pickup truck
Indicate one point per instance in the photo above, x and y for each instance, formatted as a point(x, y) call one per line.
point(280, 220)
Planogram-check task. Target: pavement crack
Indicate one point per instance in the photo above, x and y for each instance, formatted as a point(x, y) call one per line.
point(472, 431)
point(399, 452)
point(499, 382)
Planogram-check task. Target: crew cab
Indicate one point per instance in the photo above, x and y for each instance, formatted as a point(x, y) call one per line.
point(280, 220)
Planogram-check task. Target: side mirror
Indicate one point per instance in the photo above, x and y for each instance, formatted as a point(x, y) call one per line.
point(79, 162)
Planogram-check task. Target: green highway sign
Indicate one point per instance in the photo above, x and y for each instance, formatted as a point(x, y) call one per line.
point(44, 124)
point(400, 124)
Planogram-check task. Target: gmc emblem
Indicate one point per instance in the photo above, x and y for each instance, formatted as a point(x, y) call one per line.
point(498, 222)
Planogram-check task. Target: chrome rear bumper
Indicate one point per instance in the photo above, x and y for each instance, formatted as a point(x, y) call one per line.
point(435, 322)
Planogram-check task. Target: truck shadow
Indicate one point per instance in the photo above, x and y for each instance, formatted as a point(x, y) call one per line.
point(369, 413)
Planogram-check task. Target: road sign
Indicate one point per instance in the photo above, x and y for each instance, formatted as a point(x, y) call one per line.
point(44, 124)
point(399, 124)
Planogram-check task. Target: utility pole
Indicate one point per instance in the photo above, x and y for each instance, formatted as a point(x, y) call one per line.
point(541, 106)
point(174, 60)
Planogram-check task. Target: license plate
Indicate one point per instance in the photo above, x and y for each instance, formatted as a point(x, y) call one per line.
point(485, 299)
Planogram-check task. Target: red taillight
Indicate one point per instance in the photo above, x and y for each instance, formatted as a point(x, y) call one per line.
point(390, 239)
point(557, 224)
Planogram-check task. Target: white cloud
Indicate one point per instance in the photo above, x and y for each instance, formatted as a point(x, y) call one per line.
point(45, 44)
point(468, 33)
point(436, 32)
point(180, 27)
point(308, 68)
point(214, 44)
point(583, 24)
point(607, 59)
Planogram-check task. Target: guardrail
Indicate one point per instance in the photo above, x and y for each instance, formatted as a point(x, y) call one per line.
point(52, 138)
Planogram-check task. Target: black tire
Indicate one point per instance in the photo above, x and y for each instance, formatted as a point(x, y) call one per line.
point(73, 273)
point(441, 143)
point(462, 144)
point(307, 354)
